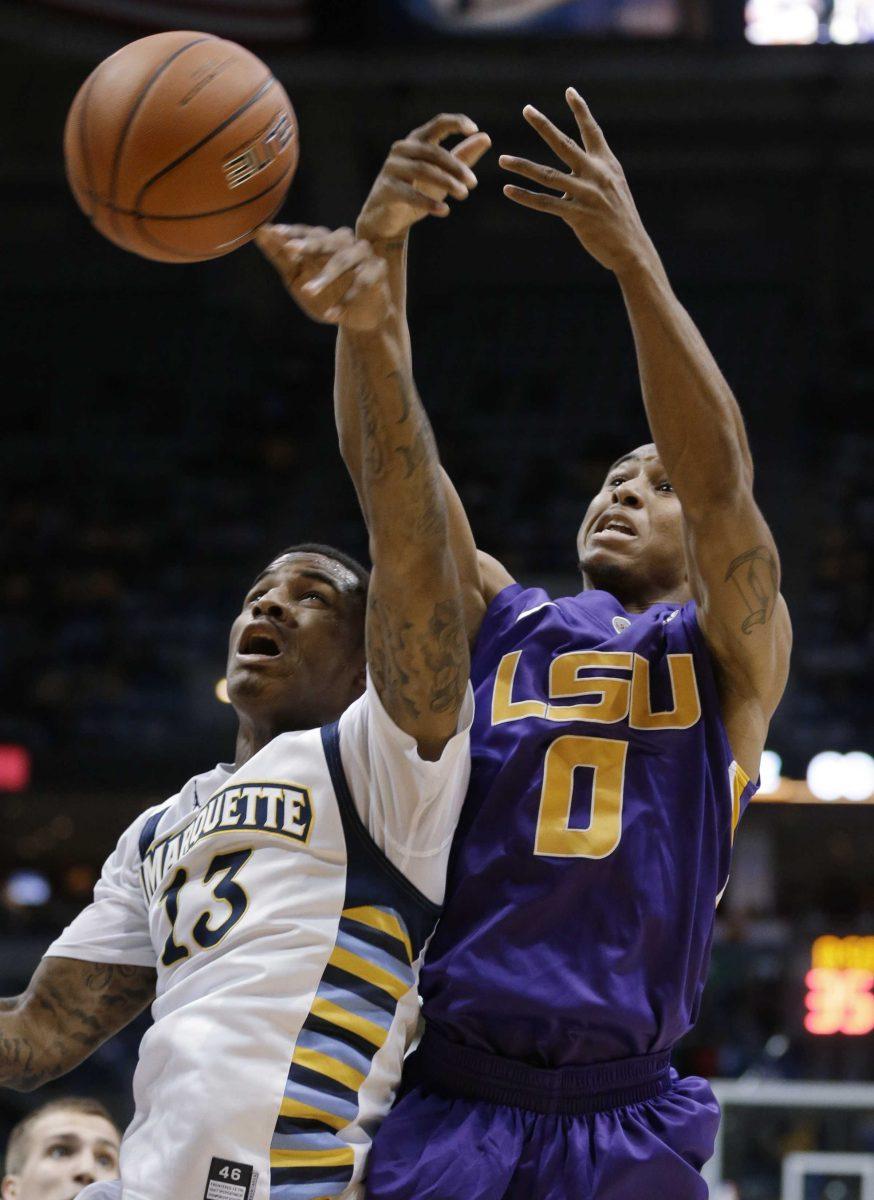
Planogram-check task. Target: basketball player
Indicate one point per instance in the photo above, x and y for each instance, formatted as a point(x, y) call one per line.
point(58, 1149)
point(616, 742)
point(277, 906)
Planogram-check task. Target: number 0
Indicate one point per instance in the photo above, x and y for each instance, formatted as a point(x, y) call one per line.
point(606, 756)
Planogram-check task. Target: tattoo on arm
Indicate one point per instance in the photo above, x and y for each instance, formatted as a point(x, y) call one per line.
point(407, 664)
point(68, 1010)
point(756, 576)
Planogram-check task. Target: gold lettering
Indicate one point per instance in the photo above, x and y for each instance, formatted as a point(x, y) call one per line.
point(613, 694)
point(601, 836)
point(687, 705)
point(504, 707)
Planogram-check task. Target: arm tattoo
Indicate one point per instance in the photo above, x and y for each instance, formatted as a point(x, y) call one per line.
point(408, 666)
point(447, 656)
point(68, 1010)
point(756, 576)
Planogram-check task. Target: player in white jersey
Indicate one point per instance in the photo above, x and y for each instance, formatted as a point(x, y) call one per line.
point(277, 907)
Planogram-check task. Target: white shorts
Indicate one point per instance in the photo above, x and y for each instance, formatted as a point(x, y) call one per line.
point(102, 1191)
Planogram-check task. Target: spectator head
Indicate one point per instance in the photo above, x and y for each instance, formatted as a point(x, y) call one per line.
point(58, 1149)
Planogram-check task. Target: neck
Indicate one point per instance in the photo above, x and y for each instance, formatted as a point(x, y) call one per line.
point(636, 597)
point(251, 738)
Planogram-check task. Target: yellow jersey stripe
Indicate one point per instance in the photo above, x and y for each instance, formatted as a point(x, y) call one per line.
point(739, 780)
point(306, 1112)
point(332, 1067)
point(386, 922)
point(344, 1156)
point(349, 1020)
point(355, 965)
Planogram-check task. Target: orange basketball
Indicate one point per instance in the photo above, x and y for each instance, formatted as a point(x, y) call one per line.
point(180, 145)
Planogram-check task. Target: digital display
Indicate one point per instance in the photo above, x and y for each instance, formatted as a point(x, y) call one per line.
point(840, 986)
point(806, 22)
point(632, 18)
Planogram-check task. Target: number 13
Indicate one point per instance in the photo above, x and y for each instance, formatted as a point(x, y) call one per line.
point(600, 837)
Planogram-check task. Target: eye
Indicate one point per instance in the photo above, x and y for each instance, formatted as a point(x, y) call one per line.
point(59, 1151)
point(314, 595)
point(254, 596)
point(106, 1160)
point(664, 486)
point(615, 479)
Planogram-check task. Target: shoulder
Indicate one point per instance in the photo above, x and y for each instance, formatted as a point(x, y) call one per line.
point(493, 575)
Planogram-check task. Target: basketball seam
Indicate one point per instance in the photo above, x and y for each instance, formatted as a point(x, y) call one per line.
point(139, 215)
point(135, 107)
point(262, 90)
point(180, 254)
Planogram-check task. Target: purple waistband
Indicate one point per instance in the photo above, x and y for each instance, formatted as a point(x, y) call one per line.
point(477, 1075)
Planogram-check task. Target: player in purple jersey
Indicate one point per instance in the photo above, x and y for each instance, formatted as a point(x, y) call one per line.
point(616, 740)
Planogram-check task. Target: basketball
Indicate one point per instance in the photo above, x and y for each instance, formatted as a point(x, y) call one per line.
point(179, 145)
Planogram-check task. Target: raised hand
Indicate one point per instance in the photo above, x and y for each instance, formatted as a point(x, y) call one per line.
point(419, 174)
point(333, 276)
point(595, 198)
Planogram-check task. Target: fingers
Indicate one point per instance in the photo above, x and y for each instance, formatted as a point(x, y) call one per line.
point(471, 150)
point(443, 125)
point(300, 251)
point(548, 176)
point(536, 200)
point(337, 265)
point(590, 131)
point(566, 148)
point(435, 205)
point(416, 171)
point(412, 150)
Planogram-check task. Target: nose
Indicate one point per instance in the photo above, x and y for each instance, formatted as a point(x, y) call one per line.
point(272, 604)
point(627, 493)
point(86, 1170)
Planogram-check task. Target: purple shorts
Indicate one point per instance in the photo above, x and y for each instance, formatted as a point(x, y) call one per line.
point(477, 1127)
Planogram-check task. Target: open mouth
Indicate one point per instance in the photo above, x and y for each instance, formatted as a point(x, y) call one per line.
point(616, 525)
point(258, 642)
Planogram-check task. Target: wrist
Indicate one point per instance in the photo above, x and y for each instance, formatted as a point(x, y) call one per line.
point(641, 264)
point(386, 246)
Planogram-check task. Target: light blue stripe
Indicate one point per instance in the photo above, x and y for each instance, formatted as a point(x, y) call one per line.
point(323, 1100)
point(305, 1141)
point(305, 1191)
point(355, 1003)
point(374, 955)
point(336, 1049)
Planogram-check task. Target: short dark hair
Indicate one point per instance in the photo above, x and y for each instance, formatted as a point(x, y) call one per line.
point(18, 1145)
point(361, 573)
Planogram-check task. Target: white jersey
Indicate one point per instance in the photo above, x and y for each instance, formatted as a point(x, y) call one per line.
point(286, 907)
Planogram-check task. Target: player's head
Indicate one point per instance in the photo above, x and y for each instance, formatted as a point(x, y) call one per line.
point(58, 1149)
point(296, 654)
point(631, 540)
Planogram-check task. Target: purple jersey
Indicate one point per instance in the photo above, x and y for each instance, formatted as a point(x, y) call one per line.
point(596, 835)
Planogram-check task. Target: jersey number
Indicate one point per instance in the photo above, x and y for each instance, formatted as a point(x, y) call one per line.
point(226, 865)
point(605, 757)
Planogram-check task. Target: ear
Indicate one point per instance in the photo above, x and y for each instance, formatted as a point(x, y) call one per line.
point(9, 1187)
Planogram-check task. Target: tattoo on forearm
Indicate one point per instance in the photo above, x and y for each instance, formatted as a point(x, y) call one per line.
point(756, 576)
point(69, 1009)
point(410, 667)
point(387, 656)
point(447, 656)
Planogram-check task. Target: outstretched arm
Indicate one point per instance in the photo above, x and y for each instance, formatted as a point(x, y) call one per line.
point(416, 642)
point(415, 181)
point(695, 422)
point(68, 1010)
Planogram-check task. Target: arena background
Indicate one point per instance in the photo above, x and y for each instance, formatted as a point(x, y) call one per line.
point(166, 429)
